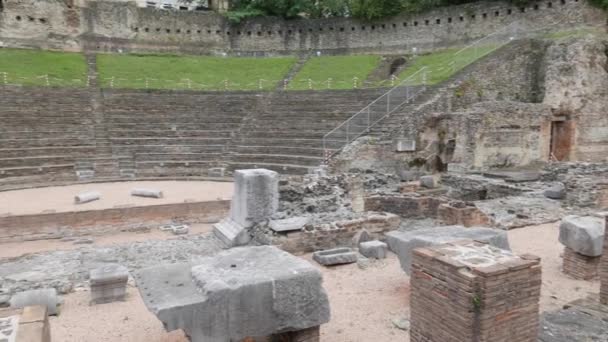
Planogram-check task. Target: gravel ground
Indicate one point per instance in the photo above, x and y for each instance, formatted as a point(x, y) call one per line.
point(364, 302)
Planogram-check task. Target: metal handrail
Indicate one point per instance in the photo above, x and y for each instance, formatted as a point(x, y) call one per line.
point(375, 101)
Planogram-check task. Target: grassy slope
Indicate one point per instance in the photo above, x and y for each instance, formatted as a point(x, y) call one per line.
point(341, 70)
point(208, 73)
point(443, 64)
point(28, 67)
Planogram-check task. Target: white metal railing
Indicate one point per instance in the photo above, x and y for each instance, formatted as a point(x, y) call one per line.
point(376, 111)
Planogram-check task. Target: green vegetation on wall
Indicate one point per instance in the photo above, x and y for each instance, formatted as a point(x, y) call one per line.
point(335, 72)
point(191, 72)
point(45, 68)
point(361, 9)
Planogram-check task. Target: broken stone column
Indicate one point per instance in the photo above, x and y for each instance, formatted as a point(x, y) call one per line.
point(583, 238)
point(246, 292)
point(603, 269)
point(150, 193)
point(87, 197)
point(255, 199)
point(469, 291)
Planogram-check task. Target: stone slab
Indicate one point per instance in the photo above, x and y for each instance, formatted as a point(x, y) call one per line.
point(582, 234)
point(240, 292)
point(374, 249)
point(231, 233)
point(403, 243)
point(556, 192)
point(45, 297)
point(336, 256)
point(289, 224)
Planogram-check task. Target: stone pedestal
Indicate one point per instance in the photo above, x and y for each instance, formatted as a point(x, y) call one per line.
point(579, 266)
point(255, 199)
point(468, 291)
point(108, 284)
point(603, 269)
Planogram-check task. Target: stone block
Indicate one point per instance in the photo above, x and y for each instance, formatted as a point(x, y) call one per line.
point(33, 325)
point(362, 236)
point(216, 172)
point(231, 233)
point(108, 283)
point(556, 192)
point(8, 328)
point(403, 243)
point(583, 234)
point(336, 256)
point(429, 182)
point(374, 249)
point(289, 224)
point(44, 297)
point(150, 193)
point(256, 196)
point(87, 197)
point(239, 293)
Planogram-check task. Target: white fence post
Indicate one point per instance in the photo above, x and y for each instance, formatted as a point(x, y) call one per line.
point(46, 80)
point(309, 83)
point(285, 84)
point(355, 81)
point(5, 78)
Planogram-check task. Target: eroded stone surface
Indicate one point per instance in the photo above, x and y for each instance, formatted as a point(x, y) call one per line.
point(44, 297)
point(403, 243)
point(247, 291)
point(336, 256)
point(374, 249)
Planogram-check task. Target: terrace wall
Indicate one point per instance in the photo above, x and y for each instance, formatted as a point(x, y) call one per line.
point(114, 26)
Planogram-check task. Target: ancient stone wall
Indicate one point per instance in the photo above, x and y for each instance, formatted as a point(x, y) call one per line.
point(576, 88)
point(112, 26)
point(508, 74)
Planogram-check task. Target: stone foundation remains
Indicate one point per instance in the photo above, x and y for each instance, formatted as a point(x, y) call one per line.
point(459, 213)
point(468, 291)
point(580, 266)
point(330, 235)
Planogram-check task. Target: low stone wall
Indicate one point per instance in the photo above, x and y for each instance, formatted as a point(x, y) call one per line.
point(334, 234)
point(468, 216)
point(580, 266)
point(405, 206)
point(76, 223)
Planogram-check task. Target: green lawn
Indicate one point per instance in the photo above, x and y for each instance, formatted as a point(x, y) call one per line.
point(190, 72)
point(443, 64)
point(339, 70)
point(35, 67)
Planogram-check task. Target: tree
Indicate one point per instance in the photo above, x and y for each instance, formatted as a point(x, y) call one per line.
point(375, 9)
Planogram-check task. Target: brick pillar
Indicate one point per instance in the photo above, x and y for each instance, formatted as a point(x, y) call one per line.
point(603, 270)
point(580, 266)
point(469, 291)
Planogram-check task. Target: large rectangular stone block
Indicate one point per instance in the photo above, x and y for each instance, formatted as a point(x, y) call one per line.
point(239, 293)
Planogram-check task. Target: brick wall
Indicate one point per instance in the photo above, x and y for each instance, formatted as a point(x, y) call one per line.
point(580, 266)
point(489, 296)
point(405, 206)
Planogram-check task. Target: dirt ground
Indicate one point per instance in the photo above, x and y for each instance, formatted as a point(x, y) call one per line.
point(61, 198)
point(364, 302)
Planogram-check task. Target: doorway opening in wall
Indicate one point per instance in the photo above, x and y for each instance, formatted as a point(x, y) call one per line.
point(562, 134)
